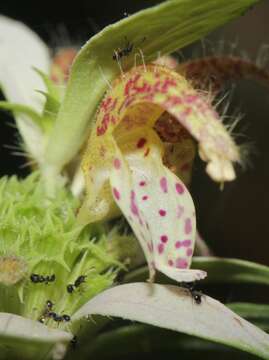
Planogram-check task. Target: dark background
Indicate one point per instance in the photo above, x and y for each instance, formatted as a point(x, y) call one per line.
point(234, 221)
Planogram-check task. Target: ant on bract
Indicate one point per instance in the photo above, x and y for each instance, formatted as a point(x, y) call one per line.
point(36, 278)
point(125, 51)
point(71, 287)
point(195, 294)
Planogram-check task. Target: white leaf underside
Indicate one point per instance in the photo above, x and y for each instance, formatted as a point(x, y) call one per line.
point(15, 326)
point(173, 308)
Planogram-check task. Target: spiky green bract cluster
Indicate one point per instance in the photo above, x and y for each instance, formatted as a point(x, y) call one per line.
point(40, 236)
point(122, 244)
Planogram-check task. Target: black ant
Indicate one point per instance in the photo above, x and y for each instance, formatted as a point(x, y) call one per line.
point(59, 318)
point(35, 278)
point(46, 312)
point(74, 342)
point(126, 50)
point(80, 280)
point(71, 287)
point(121, 52)
point(49, 305)
point(196, 295)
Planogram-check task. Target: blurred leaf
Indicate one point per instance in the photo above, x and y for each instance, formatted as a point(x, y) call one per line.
point(138, 340)
point(220, 270)
point(21, 49)
point(173, 308)
point(225, 270)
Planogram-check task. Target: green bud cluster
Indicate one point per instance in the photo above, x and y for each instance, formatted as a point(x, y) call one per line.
point(40, 236)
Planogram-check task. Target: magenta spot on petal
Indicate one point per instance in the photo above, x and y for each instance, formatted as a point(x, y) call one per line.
point(134, 208)
point(142, 183)
point(160, 248)
point(170, 262)
point(116, 193)
point(164, 239)
point(162, 212)
point(189, 252)
point(178, 244)
point(179, 188)
point(145, 197)
point(188, 226)
point(117, 163)
point(141, 142)
point(163, 184)
point(186, 243)
point(181, 263)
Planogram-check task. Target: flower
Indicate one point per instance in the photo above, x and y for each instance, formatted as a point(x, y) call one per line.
point(124, 150)
point(40, 222)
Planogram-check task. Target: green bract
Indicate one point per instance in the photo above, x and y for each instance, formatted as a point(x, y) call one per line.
point(40, 236)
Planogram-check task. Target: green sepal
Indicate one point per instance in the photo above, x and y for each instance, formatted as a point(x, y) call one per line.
point(52, 89)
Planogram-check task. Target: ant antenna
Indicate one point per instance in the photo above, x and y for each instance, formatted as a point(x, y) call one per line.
point(104, 78)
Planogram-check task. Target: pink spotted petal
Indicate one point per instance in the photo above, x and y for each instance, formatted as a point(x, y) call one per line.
point(165, 229)
point(127, 200)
